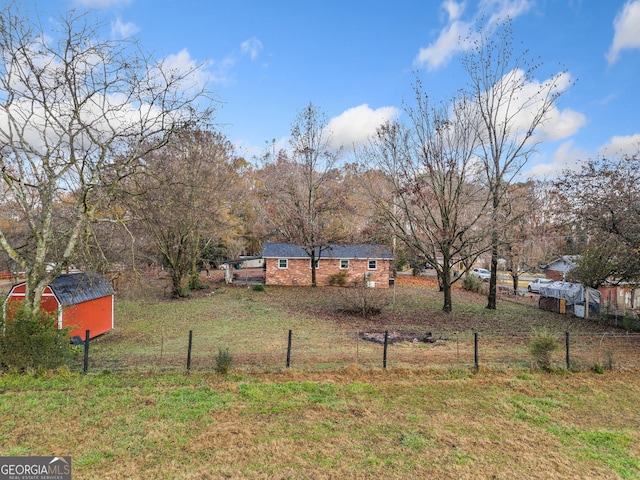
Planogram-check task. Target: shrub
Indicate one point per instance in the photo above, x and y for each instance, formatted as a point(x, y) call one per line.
point(631, 322)
point(258, 288)
point(609, 362)
point(541, 346)
point(224, 361)
point(195, 283)
point(339, 279)
point(32, 342)
point(471, 283)
point(363, 300)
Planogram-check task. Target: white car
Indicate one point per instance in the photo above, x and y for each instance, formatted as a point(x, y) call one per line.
point(534, 287)
point(482, 273)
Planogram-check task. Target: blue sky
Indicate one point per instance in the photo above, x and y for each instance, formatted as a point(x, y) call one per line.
point(357, 60)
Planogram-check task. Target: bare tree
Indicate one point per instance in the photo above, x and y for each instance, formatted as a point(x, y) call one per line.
point(76, 112)
point(602, 200)
point(431, 195)
point(510, 106)
point(300, 192)
point(536, 232)
point(182, 197)
point(521, 233)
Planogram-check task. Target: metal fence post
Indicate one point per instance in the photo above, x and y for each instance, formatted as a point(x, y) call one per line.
point(384, 354)
point(189, 350)
point(85, 367)
point(289, 349)
point(475, 351)
point(566, 341)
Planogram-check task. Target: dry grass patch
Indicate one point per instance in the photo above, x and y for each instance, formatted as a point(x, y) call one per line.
point(348, 423)
point(152, 335)
point(344, 419)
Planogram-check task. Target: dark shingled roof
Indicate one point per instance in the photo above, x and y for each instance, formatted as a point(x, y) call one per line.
point(287, 250)
point(73, 288)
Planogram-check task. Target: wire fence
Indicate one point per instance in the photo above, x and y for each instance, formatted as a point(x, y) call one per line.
point(381, 349)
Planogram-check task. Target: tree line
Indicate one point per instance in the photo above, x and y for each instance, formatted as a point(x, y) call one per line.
point(111, 159)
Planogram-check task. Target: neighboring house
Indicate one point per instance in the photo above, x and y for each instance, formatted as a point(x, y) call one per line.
point(558, 269)
point(620, 297)
point(82, 301)
point(287, 264)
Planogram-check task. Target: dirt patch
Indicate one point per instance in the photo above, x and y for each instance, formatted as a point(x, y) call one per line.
point(399, 336)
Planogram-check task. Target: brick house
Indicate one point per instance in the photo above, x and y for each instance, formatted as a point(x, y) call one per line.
point(287, 264)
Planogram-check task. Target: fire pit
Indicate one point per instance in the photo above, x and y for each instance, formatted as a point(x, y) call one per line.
point(398, 336)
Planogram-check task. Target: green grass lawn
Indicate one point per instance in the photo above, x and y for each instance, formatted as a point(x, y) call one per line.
point(336, 413)
point(340, 424)
point(152, 335)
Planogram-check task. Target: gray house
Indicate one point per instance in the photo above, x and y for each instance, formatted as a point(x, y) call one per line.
point(558, 269)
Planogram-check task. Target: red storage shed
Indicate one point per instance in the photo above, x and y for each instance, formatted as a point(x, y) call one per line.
point(84, 301)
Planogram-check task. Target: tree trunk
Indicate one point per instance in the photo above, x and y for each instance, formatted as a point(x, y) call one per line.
point(176, 284)
point(313, 268)
point(35, 283)
point(446, 289)
point(491, 305)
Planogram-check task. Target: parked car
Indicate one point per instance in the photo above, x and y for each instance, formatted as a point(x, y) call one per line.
point(534, 287)
point(482, 273)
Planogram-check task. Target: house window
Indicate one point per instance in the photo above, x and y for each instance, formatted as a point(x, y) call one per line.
point(317, 263)
point(283, 263)
point(373, 264)
point(344, 264)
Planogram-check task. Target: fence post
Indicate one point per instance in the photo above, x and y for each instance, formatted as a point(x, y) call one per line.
point(289, 349)
point(85, 367)
point(357, 345)
point(566, 341)
point(384, 354)
point(475, 351)
point(189, 350)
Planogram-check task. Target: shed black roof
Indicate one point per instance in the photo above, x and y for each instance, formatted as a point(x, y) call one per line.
point(73, 288)
point(287, 250)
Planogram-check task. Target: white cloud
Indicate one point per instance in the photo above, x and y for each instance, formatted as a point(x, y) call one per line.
point(619, 146)
point(444, 48)
point(627, 33)
point(255, 152)
point(530, 97)
point(560, 124)
point(457, 35)
point(200, 73)
point(448, 42)
point(119, 29)
point(101, 4)
point(566, 157)
point(110, 105)
point(252, 47)
point(500, 10)
point(221, 71)
point(182, 63)
point(354, 126)
point(453, 8)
